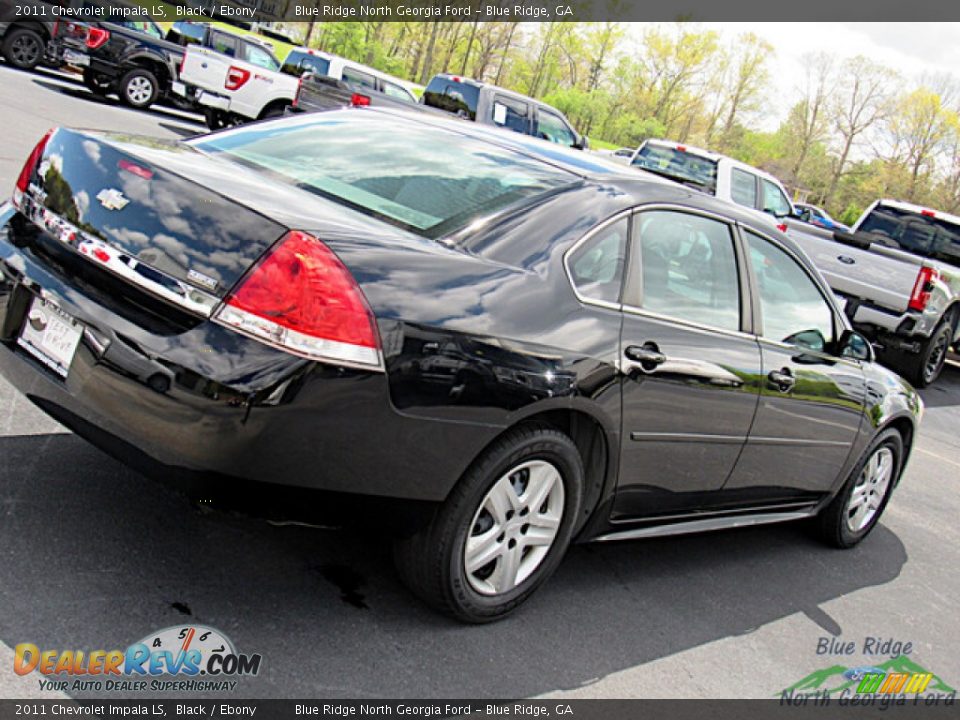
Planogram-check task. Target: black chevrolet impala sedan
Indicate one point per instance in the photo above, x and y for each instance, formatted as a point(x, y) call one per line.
point(534, 344)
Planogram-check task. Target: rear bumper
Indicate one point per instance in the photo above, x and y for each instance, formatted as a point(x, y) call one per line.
point(210, 100)
point(208, 400)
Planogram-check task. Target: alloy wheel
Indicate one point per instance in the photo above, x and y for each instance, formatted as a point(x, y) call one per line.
point(935, 360)
point(871, 487)
point(514, 527)
point(139, 90)
point(25, 50)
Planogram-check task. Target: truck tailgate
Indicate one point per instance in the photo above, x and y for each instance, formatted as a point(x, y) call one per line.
point(205, 69)
point(874, 275)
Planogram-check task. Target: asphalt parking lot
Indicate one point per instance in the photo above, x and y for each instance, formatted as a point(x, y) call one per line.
point(93, 555)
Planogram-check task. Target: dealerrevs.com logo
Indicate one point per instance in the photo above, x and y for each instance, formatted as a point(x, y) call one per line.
point(192, 658)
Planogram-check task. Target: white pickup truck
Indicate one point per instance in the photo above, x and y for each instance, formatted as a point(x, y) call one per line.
point(230, 86)
point(718, 175)
point(898, 273)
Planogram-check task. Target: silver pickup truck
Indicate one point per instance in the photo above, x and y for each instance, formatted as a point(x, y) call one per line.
point(898, 272)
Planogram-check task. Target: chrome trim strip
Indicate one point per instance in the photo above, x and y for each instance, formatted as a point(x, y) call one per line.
point(120, 262)
point(687, 437)
point(705, 525)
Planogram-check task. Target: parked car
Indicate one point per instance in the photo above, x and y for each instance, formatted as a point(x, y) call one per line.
point(898, 273)
point(328, 81)
point(491, 105)
point(23, 43)
point(235, 79)
point(817, 216)
point(718, 175)
point(398, 306)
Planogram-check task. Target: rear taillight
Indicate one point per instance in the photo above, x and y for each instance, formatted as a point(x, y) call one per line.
point(296, 97)
point(359, 100)
point(922, 288)
point(300, 298)
point(236, 78)
point(97, 37)
point(183, 61)
point(33, 159)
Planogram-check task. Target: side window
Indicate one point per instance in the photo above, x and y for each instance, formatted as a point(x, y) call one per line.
point(743, 188)
point(511, 114)
point(551, 126)
point(260, 57)
point(792, 308)
point(689, 268)
point(397, 92)
point(596, 267)
point(773, 199)
point(224, 44)
point(358, 79)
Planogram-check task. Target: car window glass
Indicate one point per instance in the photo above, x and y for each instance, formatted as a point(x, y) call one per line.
point(551, 126)
point(689, 269)
point(774, 200)
point(224, 44)
point(260, 57)
point(357, 78)
point(511, 114)
point(395, 91)
point(743, 187)
point(596, 267)
point(792, 308)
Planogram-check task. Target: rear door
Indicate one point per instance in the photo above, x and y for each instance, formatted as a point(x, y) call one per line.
point(811, 400)
point(689, 390)
point(512, 114)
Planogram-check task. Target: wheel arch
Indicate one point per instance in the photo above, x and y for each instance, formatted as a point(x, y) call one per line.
point(148, 62)
point(906, 428)
point(275, 104)
point(596, 440)
point(35, 25)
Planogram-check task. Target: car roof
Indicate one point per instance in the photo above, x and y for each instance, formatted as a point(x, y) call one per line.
point(406, 85)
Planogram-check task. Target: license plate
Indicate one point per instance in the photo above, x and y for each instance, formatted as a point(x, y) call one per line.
point(74, 58)
point(179, 88)
point(51, 336)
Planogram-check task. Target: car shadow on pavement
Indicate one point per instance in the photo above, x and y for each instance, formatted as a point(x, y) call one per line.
point(96, 556)
point(83, 93)
point(946, 390)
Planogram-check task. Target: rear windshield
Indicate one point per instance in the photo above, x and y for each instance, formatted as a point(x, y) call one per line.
point(455, 97)
point(297, 63)
point(678, 165)
point(928, 237)
point(415, 175)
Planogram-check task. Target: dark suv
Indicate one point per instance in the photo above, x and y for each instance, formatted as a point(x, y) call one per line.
point(492, 105)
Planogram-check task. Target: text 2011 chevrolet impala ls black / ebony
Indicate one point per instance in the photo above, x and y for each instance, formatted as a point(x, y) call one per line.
point(386, 305)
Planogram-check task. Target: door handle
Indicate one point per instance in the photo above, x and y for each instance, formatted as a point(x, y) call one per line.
point(782, 379)
point(648, 355)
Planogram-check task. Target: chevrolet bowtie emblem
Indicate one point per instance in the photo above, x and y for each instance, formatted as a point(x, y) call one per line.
point(112, 199)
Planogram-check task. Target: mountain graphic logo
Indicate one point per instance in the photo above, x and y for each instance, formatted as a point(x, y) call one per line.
point(837, 678)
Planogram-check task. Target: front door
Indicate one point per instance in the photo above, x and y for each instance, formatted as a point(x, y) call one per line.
point(812, 400)
point(689, 370)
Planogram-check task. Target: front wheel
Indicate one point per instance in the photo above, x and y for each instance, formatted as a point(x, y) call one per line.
point(855, 510)
point(139, 88)
point(503, 530)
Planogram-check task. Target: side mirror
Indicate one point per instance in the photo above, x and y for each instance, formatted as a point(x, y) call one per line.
point(777, 214)
point(582, 143)
point(855, 346)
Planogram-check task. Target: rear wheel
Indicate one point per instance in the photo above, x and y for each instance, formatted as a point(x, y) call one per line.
point(23, 48)
point(503, 530)
point(924, 367)
point(854, 512)
point(273, 112)
point(139, 88)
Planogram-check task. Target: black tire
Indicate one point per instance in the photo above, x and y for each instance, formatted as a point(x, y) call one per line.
point(23, 48)
point(139, 88)
point(431, 562)
point(831, 523)
point(273, 112)
point(96, 84)
point(923, 368)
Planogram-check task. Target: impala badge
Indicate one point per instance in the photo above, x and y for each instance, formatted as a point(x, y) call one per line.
point(112, 199)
